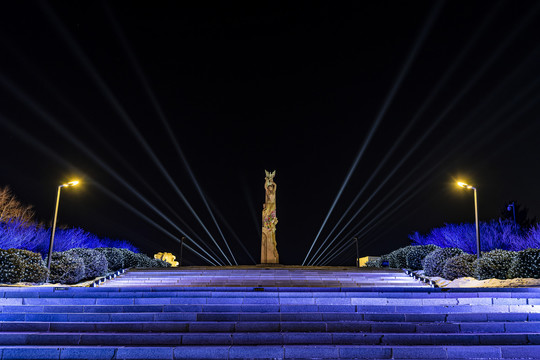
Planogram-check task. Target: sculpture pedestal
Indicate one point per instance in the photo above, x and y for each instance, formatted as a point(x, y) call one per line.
point(269, 253)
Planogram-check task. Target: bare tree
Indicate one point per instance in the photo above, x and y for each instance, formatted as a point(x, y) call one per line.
point(12, 209)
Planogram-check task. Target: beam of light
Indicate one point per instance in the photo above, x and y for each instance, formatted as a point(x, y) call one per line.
point(96, 135)
point(29, 139)
point(147, 219)
point(231, 231)
point(440, 84)
point(405, 69)
point(73, 140)
point(420, 182)
point(508, 40)
point(344, 247)
point(122, 114)
point(161, 115)
point(393, 207)
point(376, 238)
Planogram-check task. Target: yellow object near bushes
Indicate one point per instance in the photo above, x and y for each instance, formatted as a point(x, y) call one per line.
point(168, 257)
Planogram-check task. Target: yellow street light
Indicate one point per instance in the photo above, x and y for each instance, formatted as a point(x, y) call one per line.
point(470, 187)
point(51, 242)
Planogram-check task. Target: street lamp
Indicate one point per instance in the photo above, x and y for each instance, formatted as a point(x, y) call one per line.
point(357, 253)
point(513, 206)
point(467, 186)
point(51, 242)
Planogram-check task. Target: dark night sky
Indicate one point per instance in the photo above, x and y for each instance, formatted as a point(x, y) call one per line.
point(292, 86)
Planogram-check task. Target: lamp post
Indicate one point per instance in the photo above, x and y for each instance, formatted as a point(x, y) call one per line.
point(181, 249)
point(513, 206)
point(467, 186)
point(51, 242)
point(357, 253)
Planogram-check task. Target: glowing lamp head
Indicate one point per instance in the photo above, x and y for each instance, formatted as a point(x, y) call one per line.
point(464, 185)
point(71, 183)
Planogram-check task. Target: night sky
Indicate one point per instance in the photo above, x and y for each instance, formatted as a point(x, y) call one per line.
point(98, 91)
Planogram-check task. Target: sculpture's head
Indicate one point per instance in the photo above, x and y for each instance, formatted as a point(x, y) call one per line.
point(270, 187)
point(270, 175)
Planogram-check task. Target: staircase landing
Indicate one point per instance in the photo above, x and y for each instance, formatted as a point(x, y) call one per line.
point(265, 276)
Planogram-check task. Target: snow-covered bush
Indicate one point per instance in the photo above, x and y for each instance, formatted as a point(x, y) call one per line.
point(11, 267)
point(459, 266)
point(398, 258)
point(33, 268)
point(131, 259)
point(384, 261)
point(526, 264)
point(158, 263)
point(493, 265)
point(66, 268)
point(373, 263)
point(416, 255)
point(95, 263)
point(114, 256)
point(143, 260)
point(434, 262)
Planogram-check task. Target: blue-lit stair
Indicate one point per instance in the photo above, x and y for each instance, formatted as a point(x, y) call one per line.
point(124, 320)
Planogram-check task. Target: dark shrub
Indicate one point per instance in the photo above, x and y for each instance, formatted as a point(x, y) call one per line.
point(373, 263)
point(33, 269)
point(95, 263)
point(160, 263)
point(459, 266)
point(143, 260)
point(383, 261)
point(114, 256)
point(398, 258)
point(493, 265)
point(416, 254)
point(11, 267)
point(434, 261)
point(66, 268)
point(526, 264)
point(130, 258)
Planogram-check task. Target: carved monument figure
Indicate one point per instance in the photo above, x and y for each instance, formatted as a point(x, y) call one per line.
point(269, 253)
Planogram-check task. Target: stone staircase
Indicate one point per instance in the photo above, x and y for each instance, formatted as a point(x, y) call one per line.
point(260, 276)
point(170, 314)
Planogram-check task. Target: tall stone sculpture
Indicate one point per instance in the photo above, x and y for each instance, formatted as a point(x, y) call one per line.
point(269, 253)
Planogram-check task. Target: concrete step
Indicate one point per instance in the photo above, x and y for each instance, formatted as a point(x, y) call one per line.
point(318, 292)
point(232, 316)
point(268, 338)
point(279, 299)
point(311, 316)
point(270, 325)
point(343, 352)
point(352, 277)
point(292, 307)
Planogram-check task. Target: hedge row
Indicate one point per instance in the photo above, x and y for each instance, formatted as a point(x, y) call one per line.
point(452, 263)
point(18, 265)
point(69, 267)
